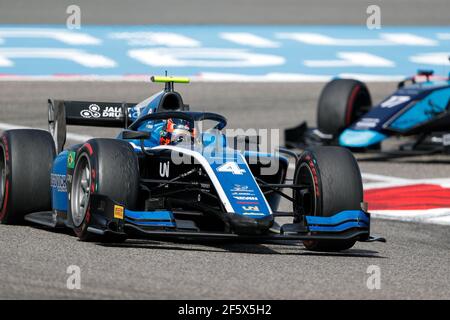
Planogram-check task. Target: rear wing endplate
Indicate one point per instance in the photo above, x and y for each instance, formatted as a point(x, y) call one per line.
point(85, 113)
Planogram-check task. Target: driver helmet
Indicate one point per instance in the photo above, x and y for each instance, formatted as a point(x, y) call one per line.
point(175, 131)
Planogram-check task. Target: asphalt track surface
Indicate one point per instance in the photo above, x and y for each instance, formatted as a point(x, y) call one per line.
point(414, 263)
point(393, 12)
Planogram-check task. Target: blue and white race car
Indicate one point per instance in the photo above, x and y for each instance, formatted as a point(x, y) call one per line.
point(172, 173)
point(419, 108)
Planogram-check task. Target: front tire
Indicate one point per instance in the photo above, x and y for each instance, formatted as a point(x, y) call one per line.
point(341, 103)
point(26, 158)
point(108, 167)
point(334, 180)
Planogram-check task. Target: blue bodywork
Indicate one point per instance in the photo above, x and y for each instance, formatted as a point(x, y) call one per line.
point(150, 218)
point(59, 183)
point(238, 200)
point(407, 109)
point(228, 170)
point(360, 138)
point(339, 222)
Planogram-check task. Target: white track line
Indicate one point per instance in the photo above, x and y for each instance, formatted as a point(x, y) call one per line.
point(383, 178)
point(433, 216)
point(443, 182)
point(249, 39)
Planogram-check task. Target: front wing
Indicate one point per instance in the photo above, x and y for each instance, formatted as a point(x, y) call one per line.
point(106, 216)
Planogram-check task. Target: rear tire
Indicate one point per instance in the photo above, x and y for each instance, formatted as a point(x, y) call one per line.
point(26, 158)
point(341, 103)
point(335, 185)
point(108, 167)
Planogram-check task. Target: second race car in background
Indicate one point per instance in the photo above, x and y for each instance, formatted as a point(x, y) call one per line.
point(419, 108)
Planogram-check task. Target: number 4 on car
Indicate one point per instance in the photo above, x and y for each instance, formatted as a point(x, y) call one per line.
point(155, 179)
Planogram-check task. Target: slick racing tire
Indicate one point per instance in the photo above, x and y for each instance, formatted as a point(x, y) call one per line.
point(26, 158)
point(334, 182)
point(342, 102)
point(104, 166)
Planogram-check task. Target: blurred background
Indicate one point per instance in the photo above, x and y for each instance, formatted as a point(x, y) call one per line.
point(260, 63)
point(343, 12)
point(252, 40)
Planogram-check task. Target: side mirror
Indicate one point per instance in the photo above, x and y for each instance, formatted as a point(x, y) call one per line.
point(134, 135)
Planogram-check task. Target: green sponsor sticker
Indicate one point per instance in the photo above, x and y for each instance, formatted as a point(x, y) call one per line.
point(71, 160)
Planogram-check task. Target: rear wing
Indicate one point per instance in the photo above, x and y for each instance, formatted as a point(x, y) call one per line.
point(85, 113)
